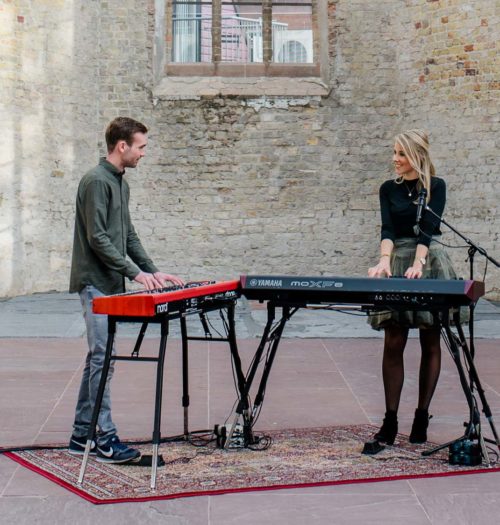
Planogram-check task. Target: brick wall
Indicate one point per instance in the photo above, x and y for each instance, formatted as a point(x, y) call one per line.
point(235, 184)
point(450, 67)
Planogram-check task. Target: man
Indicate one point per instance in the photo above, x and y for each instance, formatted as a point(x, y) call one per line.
point(104, 237)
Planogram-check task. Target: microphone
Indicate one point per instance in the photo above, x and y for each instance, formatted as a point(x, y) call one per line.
point(420, 208)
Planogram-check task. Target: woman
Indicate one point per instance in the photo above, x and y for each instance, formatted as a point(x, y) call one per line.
point(410, 252)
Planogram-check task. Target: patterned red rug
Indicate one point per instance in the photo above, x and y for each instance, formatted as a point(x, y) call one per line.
point(296, 458)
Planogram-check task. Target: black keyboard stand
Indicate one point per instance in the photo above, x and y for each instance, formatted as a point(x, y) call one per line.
point(163, 320)
point(458, 348)
point(456, 343)
point(271, 335)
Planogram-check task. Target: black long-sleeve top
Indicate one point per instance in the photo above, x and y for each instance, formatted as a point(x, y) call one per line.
point(398, 207)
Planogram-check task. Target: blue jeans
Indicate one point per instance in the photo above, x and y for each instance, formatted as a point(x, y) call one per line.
point(97, 335)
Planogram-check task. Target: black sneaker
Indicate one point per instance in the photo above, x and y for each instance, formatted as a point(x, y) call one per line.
point(113, 451)
point(77, 446)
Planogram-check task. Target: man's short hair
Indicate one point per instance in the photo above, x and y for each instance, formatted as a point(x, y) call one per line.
point(122, 128)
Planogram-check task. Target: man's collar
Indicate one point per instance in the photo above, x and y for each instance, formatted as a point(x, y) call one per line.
point(110, 167)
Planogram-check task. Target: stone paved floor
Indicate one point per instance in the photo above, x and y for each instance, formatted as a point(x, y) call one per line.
point(315, 381)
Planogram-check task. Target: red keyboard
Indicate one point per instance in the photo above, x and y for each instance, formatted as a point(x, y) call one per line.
point(150, 303)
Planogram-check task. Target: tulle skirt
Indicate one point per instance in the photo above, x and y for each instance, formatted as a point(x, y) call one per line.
point(438, 266)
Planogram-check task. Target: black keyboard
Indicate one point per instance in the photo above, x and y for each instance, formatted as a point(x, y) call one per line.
point(416, 293)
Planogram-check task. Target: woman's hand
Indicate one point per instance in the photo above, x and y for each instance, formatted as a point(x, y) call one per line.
point(382, 269)
point(415, 271)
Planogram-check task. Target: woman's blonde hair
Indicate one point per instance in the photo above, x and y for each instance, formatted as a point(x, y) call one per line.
point(415, 144)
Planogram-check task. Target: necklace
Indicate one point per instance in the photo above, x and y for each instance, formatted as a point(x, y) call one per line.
point(410, 190)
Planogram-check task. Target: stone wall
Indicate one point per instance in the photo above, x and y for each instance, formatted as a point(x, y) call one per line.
point(246, 183)
point(49, 116)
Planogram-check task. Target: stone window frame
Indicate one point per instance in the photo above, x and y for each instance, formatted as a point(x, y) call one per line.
point(194, 80)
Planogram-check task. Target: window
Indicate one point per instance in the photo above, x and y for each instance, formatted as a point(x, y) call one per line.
point(242, 37)
point(246, 48)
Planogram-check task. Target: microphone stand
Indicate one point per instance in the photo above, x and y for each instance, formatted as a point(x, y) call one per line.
point(473, 425)
point(473, 248)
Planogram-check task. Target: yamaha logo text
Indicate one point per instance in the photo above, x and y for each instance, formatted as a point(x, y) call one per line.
point(272, 283)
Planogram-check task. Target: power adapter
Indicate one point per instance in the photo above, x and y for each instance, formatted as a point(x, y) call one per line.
point(465, 452)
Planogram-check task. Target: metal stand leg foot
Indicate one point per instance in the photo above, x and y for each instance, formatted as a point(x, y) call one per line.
point(154, 466)
point(86, 455)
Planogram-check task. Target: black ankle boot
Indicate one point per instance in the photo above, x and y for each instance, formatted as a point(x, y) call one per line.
point(419, 428)
point(389, 429)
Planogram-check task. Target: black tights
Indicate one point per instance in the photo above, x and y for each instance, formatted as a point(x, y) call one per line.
point(393, 365)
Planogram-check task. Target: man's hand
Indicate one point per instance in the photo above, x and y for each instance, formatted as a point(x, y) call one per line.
point(166, 277)
point(150, 281)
